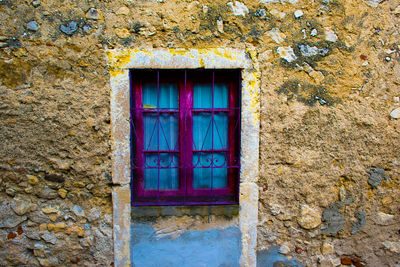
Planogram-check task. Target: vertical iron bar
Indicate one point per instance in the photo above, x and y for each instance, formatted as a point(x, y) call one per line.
point(212, 131)
point(158, 136)
point(185, 149)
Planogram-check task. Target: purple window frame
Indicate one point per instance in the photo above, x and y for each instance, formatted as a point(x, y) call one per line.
point(186, 194)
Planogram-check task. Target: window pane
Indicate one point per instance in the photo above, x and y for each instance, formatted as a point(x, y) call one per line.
point(221, 95)
point(203, 138)
point(210, 170)
point(165, 126)
point(168, 176)
point(220, 131)
point(202, 96)
point(167, 96)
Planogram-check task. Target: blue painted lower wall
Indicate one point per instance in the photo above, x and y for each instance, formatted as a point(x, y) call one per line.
point(218, 247)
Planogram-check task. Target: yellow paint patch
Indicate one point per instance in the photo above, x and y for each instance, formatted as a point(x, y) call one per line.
point(370, 194)
point(280, 170)
point(253, 88)
point(117, 61)
point(225, 54)
point(178, 52)
point(389, 184)
point(82, 64)
point(387, 200)
point(252, 53)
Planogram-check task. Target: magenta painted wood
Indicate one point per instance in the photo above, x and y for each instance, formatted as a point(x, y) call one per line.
point(186, 194)
point(182, 141)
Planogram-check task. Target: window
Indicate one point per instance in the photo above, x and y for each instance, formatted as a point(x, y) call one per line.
point(185, 136)
point(123, 142)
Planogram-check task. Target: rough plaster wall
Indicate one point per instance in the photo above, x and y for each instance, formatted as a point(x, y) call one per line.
point(318, 153)
point(326, 97)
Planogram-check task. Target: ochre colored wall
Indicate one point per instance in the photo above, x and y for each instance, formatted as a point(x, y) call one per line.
point(329, 142)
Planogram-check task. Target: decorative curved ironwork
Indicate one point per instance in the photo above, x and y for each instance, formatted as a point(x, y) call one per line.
point(206, 139)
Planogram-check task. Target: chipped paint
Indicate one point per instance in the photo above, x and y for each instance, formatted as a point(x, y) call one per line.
point(117, 60)
point(251, 80)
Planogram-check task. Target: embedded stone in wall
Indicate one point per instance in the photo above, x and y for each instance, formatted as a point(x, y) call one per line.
point(278, 13)
point(345, 260)
point(93, 14)
point(122, 33)
point(327, 248)
point(287, 53)
point(395, 114)
point(54, 178)
point(78, 211)
point(94, 214)
point(298, 14)
point(311, 51)
point(314, 32)
point(238, 8)
point(39, 250)
point(52, 261)
point(8, 218)
point(21, 206)
point(276, 35)
point(58, 227)
point(32, 179)
point(62, 193)
point(220, 26)
point(261, 13)
point(309, 218)
point(69, 28)
point(3, 41)
point(316, 75)
point(48, 193)
point(376, 175)
point(330, 35)
point(35, 3)
point(275, 209)
point(393, 246)
point(285, 248)
point(269, 1)
point(49, 238)
point(384, 218)
point(373, 3)
point(32, 26)
point(123, 11)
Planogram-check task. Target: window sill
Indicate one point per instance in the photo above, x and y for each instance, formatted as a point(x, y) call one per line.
point(201, 210)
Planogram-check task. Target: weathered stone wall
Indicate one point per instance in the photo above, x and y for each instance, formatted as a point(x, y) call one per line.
point(329, 174)
point(329, 143)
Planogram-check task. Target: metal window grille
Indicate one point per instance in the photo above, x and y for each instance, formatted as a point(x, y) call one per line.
point(164, 173)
